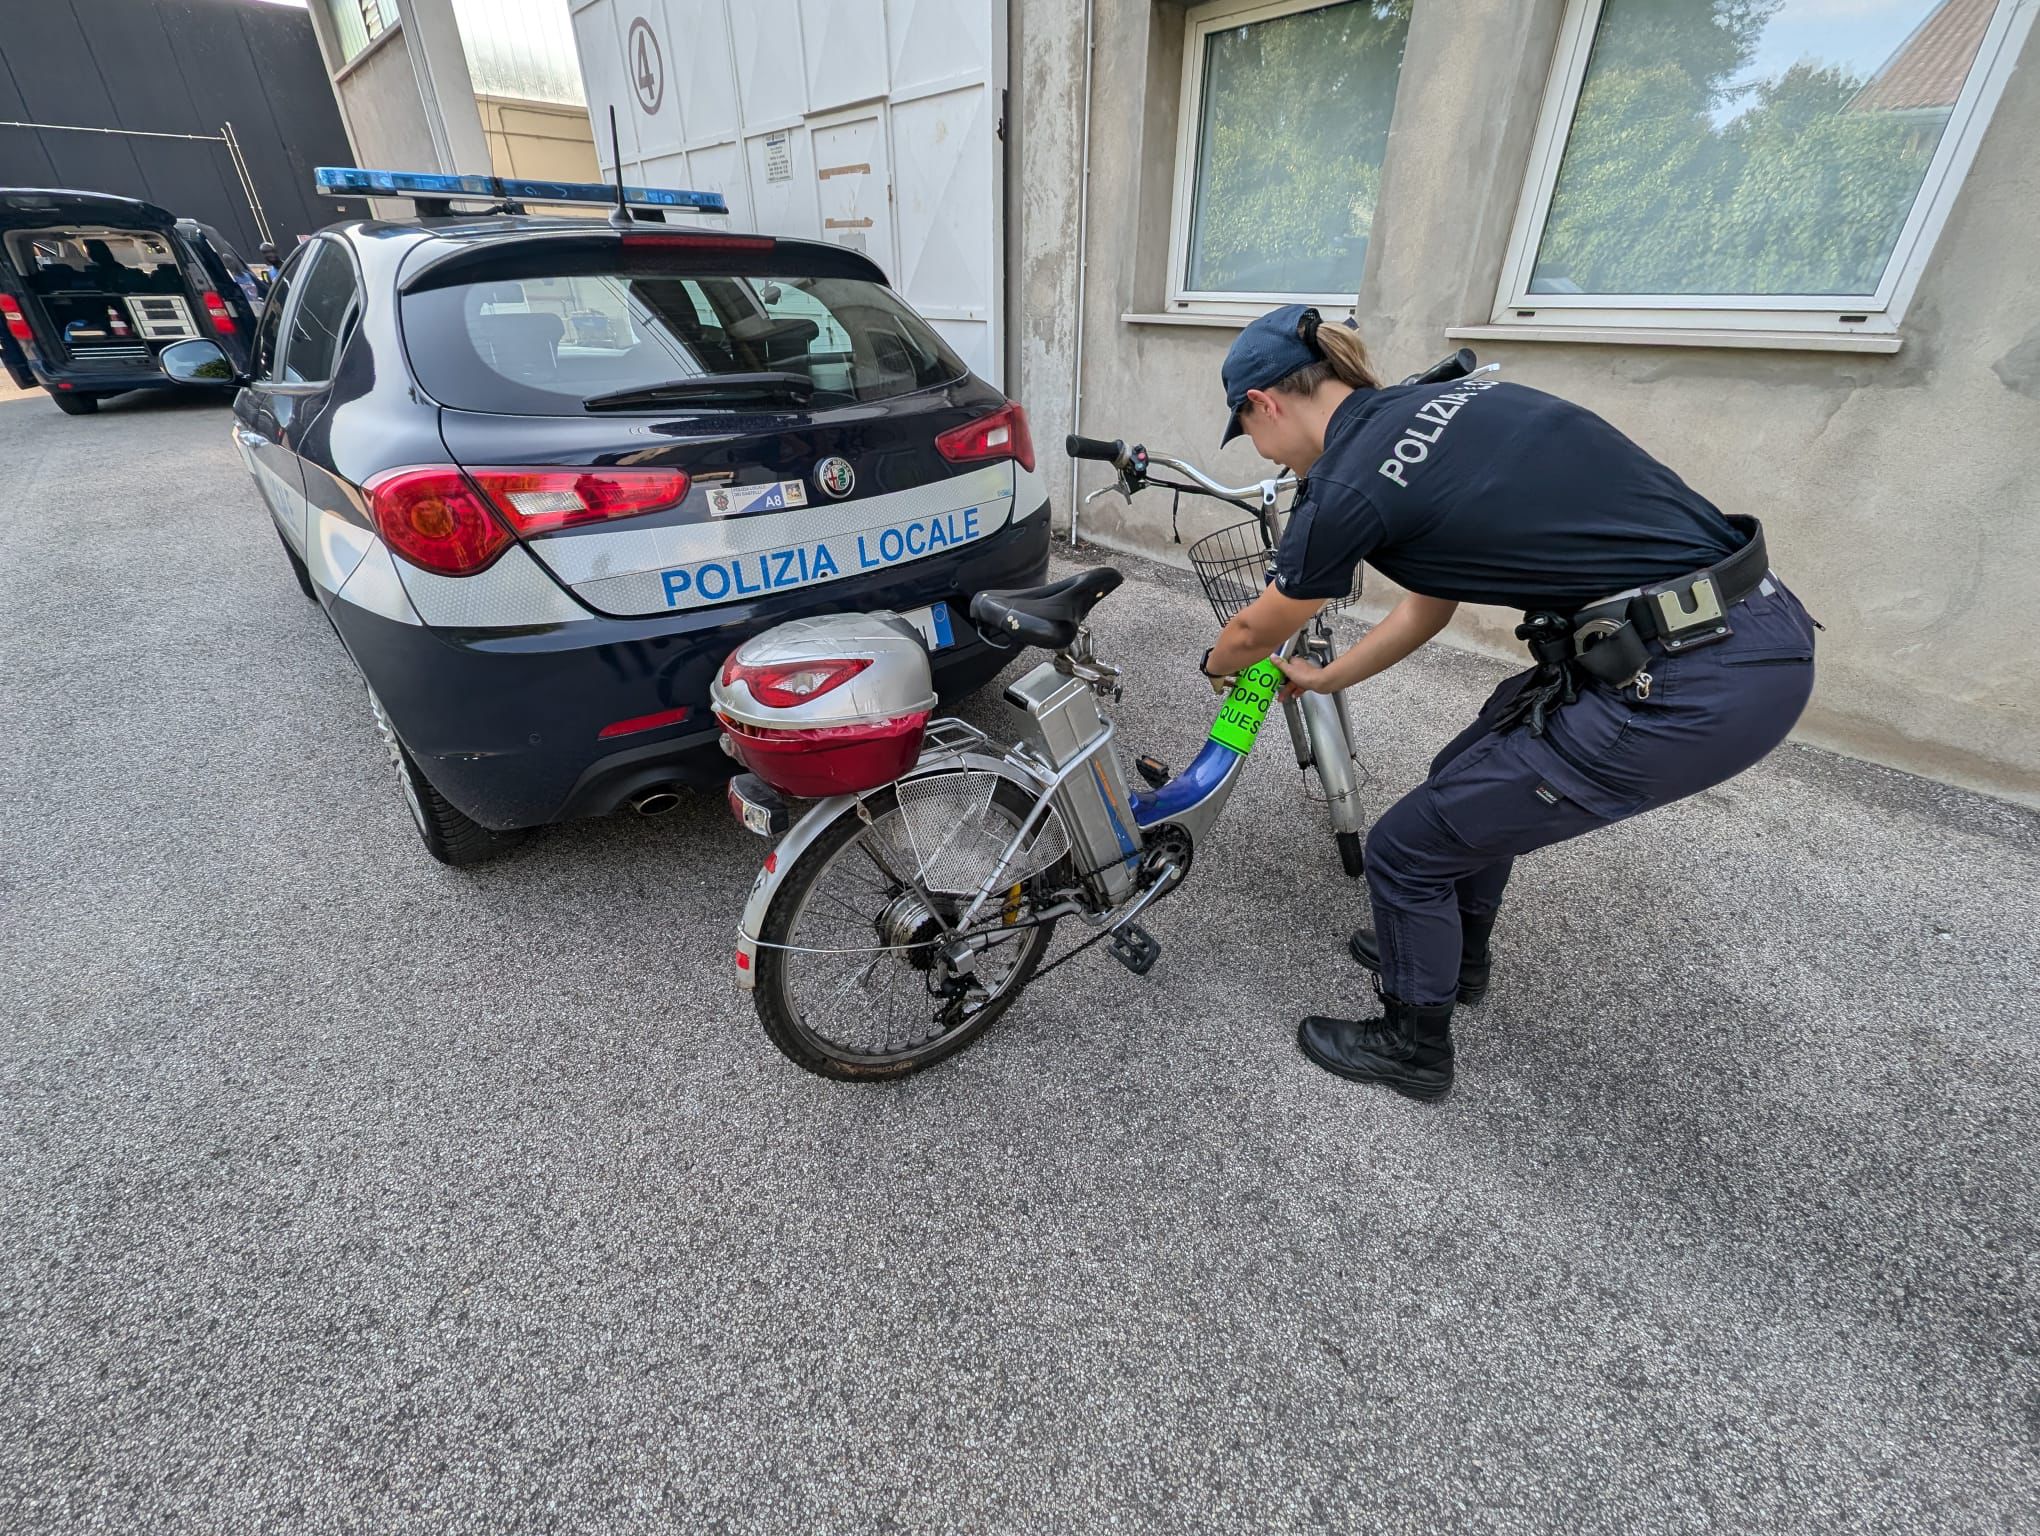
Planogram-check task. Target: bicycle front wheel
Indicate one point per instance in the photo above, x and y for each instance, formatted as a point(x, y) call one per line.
point(851, 984)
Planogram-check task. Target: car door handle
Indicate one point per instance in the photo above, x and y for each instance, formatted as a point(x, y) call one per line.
point(250, 439)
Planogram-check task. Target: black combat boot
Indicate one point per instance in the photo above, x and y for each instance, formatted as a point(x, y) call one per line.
point(1473, 955)
point(1409, 1050)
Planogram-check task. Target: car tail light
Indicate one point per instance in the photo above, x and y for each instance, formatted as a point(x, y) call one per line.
point(436, 520)
point(17, 322)
point(216, 311)
point(785, 684)
point(544, 500)
point(1001, 435)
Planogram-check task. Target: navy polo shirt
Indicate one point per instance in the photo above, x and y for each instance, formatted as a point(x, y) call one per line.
point(1478, 491)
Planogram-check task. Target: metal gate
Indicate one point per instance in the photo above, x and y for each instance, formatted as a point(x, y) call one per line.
point(876, 124)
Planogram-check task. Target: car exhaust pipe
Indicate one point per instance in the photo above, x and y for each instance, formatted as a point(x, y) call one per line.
point(654, 802)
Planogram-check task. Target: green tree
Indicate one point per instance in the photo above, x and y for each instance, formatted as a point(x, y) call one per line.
point(1293, 126)
point(1662, 192)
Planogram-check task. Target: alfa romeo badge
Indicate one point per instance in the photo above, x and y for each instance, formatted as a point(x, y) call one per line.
point(835, 476)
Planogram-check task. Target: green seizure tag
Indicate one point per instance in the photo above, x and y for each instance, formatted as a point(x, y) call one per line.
point(1246, 707)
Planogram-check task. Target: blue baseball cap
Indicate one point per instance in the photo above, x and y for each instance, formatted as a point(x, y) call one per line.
point(1268, 351)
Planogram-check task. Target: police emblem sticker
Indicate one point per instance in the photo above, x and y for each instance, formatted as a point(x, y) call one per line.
point(774, 496)
point(835, 476)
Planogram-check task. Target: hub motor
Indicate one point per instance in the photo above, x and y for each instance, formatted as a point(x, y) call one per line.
point(908, 921)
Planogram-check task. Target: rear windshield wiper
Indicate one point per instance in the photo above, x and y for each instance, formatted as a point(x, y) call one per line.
point(710, 388)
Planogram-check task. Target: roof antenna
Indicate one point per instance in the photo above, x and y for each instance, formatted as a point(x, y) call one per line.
point(620, 214)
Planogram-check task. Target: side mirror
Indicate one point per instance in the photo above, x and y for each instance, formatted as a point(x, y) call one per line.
point(197, 362)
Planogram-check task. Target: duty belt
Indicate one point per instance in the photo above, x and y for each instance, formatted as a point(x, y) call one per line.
point(1610, 640)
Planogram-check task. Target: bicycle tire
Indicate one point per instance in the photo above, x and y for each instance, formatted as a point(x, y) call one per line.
point(775, 1005)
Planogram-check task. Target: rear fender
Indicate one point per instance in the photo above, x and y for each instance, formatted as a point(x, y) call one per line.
point(823, 815)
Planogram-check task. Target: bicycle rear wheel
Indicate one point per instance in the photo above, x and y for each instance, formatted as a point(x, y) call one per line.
point(850, 982)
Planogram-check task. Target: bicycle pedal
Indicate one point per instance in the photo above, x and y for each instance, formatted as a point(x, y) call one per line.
point(1135, 948)
point(1154, 770)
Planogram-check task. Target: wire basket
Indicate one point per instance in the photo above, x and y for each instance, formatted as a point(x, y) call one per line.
point(1235, 567)
point(950, 835)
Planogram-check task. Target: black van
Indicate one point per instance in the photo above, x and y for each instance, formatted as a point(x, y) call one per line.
point(93, 287)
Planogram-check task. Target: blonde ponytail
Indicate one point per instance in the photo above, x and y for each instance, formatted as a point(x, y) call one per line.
point(1346, 355)
point(1342, 355)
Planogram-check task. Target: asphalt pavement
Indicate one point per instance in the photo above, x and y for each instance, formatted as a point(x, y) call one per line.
point(345, 1192)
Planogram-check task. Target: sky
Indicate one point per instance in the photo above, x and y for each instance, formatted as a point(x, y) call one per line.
point(1860, 34)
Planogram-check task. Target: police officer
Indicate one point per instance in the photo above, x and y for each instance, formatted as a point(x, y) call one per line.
point(1668, 658)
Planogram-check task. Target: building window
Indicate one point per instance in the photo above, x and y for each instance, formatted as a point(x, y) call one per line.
point(1751, 164)
point(359, 23)
point(1285, 120)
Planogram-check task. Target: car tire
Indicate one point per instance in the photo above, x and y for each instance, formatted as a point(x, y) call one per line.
point(449, 834)
point(297, 567)
point(73, 404)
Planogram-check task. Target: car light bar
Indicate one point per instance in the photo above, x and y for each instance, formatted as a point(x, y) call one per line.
point(595, 192)
point(353, 181)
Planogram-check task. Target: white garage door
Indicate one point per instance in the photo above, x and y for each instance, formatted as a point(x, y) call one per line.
point(871, 123)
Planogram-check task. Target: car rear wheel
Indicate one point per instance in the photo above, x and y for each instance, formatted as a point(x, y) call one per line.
point(449, 835)
point(72, 403)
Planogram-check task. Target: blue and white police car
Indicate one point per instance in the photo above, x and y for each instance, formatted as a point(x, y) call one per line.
point(544, 474)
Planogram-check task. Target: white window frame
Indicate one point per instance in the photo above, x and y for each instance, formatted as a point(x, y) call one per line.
point(1198, 23)
point(1742, 319)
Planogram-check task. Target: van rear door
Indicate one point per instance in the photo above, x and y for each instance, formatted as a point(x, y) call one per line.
point(100, 281)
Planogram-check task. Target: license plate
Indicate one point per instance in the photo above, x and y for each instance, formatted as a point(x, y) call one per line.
point(933, 623)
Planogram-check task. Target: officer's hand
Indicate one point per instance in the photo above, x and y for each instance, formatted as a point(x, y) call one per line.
point(1300, 677)
point(1222, 685)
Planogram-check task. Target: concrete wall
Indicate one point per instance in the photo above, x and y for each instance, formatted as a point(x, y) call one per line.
point(409, 103)
point(1899, 492)
point(385, 115)
point(407, 99)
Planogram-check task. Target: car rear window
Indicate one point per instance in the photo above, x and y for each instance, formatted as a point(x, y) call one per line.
point(543, 345)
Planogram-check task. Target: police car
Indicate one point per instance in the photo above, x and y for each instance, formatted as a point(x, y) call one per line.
point(544, 474)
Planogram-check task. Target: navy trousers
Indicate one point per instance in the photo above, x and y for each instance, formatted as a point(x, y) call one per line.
point(1448, 845)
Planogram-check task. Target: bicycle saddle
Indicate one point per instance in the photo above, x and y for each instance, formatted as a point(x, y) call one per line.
point(1042, 615)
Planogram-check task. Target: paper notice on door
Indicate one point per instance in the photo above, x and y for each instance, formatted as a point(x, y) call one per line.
point(779, 156)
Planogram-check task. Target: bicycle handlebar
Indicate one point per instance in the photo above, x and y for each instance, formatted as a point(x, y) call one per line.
point(1457, 366)
point(1094, 448)
point(1212, 487)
